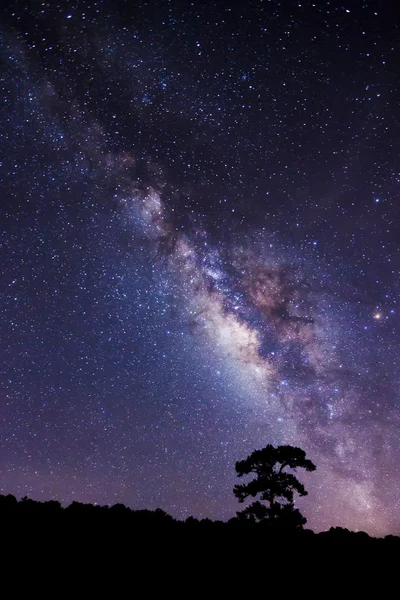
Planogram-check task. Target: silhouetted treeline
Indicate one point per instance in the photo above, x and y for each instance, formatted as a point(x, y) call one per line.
point(50, 518)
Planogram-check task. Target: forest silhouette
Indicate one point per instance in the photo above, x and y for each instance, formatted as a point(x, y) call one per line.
point(271, 522)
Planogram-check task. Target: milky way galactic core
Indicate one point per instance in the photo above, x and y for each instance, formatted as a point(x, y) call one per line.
point(200, 253)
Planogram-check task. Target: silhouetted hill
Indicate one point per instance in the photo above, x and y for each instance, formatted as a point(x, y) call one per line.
point(153, 552)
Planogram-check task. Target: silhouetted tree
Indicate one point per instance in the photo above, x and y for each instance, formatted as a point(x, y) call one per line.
point(273, 485)
point(8, 503)
point(90, 530)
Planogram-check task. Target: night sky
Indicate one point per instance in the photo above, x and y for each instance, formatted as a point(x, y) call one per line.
point(200, 252)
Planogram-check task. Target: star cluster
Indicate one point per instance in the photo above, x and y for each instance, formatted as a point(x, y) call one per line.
point(200, 252)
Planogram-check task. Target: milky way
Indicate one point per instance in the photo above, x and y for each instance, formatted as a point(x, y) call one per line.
point(200, 253)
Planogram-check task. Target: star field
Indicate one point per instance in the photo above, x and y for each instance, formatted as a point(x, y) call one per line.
point(200, 252)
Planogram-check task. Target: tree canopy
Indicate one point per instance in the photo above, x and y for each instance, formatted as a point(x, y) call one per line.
point(274, 486)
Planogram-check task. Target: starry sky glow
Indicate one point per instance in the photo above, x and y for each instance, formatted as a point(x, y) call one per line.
point(200, 252)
